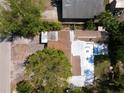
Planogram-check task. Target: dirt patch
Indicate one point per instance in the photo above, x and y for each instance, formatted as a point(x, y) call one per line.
point(50, 12)
point(50, 15)
point(47, 5)
point(19, 52)
point(121, 18)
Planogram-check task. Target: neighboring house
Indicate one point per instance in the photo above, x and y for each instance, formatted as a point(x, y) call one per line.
point(117, 7)
point(80, 48)
point(82, 9)
point(117, 3)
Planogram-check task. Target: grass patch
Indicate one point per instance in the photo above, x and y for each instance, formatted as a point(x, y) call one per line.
point(101, 64)
point(101, 58)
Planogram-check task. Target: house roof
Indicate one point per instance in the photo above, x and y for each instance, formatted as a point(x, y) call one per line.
point(76, 68)
point(96, 36)
point(82, 9)
point(64, 44)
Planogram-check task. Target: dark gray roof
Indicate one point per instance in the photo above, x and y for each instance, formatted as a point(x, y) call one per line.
point(83, 9)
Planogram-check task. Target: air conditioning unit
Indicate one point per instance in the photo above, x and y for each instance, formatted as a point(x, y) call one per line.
point(44, 37)
point(101, 28)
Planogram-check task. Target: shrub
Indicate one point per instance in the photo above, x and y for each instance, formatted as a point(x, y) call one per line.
point(77, 90)
point(50, 26)
point(90, 25)
point(24, 87)
point(50, 68)
point(23, 20)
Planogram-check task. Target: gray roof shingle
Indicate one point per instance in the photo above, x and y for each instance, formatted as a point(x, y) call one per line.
point(83, 9)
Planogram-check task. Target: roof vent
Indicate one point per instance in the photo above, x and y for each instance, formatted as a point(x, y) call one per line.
point(53, 36)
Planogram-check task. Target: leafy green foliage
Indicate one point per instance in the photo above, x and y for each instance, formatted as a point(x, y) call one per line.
point(116, 44)
point(51, 26)
point(116, 53)
point(121, 33)
point(86, 89)
point(77, 90)
point(116, 36)
point(120, 53)
point(100, 58)
point(22, 18)
point(48, 70)
point(24, 87)
point(90, 25)
point(109, 22)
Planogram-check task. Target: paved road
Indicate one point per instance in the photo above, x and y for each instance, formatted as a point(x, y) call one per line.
point(5, 60)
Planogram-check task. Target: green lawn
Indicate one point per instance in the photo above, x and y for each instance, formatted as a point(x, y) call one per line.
point(101, 64)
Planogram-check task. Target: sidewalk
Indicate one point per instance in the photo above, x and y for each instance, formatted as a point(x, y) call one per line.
point(5, 61)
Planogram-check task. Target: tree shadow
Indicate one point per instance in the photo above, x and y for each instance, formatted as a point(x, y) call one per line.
point(106, 83)
point(58, 5)
point(6, 39)
point(54, 3)
point(112, 7)
point(100, 59)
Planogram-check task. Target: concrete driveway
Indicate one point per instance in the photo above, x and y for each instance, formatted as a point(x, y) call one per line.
point(5, 61)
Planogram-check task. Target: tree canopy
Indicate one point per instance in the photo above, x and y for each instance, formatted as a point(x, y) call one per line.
point(90, 25)
point(116, 36)
point(109, 22)
point(20, 18)
point(51, 26)
point(48, 70)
